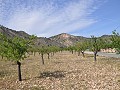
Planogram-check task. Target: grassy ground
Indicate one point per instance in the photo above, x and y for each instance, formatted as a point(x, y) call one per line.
point(64, 71)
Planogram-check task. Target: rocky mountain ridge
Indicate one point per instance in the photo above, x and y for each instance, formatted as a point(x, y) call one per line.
point(67, 39)
point(61, 40)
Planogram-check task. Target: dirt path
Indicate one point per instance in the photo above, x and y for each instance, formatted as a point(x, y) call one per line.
point(105, 54)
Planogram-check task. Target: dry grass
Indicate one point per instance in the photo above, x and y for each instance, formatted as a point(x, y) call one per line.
point(64, 71)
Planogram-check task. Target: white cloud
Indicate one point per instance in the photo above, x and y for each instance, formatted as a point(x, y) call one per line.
point(47, 20)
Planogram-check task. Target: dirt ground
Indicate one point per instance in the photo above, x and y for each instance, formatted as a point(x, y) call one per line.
point(63, 71)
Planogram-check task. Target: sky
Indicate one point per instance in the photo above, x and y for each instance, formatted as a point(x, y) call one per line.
point(46, 18)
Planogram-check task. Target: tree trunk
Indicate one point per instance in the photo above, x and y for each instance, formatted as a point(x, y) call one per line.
point(83, 53)
point(42, 59)
point(48, 55)
point(19, 71)
point(72, 51)
point(34, 53)
point(95, 55)
point(78, 53)
point(2, 56)
point(53, 53)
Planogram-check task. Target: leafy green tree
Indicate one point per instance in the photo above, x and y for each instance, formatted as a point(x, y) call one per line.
point(116, 40)
point(95, 45)
point(32, 50)
point(2, 50)
point(54, 49)
point(71, 48)
point(47, 50)
point(14, 49)
point(81, 47)
point(42, 50)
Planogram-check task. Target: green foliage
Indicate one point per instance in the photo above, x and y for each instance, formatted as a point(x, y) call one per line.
point(116, 40)
point(106, 44)
point(48, 49)
point(81, 46)
point(33, 50)
point(42, 50)
point(14, 48)
point(96, 44)
point(71, 48)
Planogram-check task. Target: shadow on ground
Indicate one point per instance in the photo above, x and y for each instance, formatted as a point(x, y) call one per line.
point(55, 74)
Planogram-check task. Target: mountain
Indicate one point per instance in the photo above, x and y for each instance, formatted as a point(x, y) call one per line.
point(67, 39)
point(106, 36)
point(39, 41)
point(61, 40)
point(12, 33)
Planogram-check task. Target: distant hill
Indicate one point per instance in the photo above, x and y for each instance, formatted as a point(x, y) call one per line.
point(40, 40)
point(12, 33)
point(61, 40)
point(106, 36)
point(67, 39)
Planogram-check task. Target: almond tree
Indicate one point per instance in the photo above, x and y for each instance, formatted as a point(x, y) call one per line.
point(47, 50)
point(14, 49)
point(116, 40)
point(54, 49)
point(106, 44)
point(81, 47)
point(95, 45)
point(71, 48)
point(33, 50)
point(42, 50)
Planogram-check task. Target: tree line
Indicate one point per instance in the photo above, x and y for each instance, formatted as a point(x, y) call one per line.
point(15, 49)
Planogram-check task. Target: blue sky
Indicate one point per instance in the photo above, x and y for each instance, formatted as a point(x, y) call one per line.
point(46, 18)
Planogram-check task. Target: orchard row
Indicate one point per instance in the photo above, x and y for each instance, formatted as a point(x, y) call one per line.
point(15, 49)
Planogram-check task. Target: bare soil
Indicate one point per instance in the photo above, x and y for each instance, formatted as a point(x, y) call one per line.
point(63, 71)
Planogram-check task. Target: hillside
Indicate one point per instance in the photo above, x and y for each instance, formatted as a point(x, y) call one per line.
point(67, 39)
point(46, 41)
point(60, 40)
point(12, 33)
point(39, 41)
